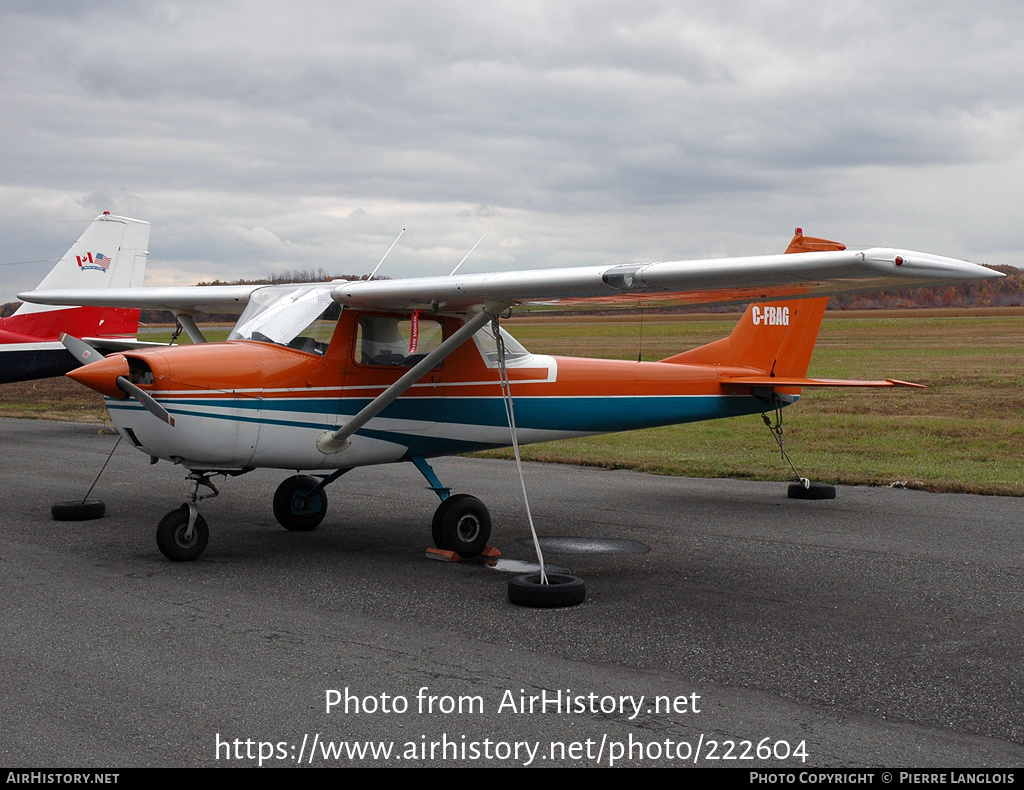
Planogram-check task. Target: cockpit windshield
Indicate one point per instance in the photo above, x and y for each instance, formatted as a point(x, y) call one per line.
point(302, 317)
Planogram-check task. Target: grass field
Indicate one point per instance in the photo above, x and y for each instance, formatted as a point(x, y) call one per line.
point(964, 433)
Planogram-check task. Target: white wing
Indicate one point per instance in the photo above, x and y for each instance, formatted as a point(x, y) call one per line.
point(185, 299)
point(678, 282)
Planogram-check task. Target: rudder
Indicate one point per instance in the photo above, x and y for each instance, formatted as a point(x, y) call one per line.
point(111, 253)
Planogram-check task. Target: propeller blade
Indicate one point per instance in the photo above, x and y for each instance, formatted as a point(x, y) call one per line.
point(80, 350)
point(146, 400)
point(86, 354)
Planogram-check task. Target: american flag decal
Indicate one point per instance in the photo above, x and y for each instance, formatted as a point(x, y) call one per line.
point(89, 261)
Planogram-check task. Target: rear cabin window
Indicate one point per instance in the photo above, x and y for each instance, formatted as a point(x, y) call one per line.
point(396, 341)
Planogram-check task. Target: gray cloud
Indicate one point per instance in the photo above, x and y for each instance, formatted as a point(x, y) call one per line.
point(264, 136)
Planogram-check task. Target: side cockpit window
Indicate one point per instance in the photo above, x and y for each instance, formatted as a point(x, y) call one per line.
point(396, 341)
point(515, 353)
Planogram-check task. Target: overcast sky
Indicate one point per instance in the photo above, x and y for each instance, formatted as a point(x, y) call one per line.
point(261, 137)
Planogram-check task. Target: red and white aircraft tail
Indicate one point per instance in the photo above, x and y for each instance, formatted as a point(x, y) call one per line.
point(110, 254)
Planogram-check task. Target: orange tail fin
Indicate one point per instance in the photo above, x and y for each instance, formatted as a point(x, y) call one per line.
point(802, 243)
point(776, 338)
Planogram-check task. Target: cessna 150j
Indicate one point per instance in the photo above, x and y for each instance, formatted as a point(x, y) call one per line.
point(327, 377)
point(110, 254)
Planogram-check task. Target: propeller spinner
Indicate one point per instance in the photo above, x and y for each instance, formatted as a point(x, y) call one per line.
point(108, 376)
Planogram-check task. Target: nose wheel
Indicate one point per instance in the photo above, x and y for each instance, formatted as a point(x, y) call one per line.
point(180, 537)
point(182, 534)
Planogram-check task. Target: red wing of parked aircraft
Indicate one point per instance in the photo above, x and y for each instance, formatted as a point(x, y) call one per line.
point(111, 254)
point(323, 378)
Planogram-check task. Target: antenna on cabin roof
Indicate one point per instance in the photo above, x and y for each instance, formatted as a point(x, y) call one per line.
point(468, 254)
point(385, 255)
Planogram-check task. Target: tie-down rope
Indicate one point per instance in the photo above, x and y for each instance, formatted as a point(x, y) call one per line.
point(506, 390)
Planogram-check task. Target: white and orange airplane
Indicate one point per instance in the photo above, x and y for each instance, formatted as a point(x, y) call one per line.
point(110, 254)
point(323, 378)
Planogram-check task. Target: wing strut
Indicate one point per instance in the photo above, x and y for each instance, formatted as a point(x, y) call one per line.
point(186, 322)
point(330, 442)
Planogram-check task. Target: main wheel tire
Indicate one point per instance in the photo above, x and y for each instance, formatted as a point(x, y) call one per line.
point(170, 536)
point(436, 531)
point(293, 510)
point(815, 491)
point(464, 525)
point(78, 511)
point(561, 590)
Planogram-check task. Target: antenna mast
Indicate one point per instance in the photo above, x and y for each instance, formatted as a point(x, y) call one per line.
point(385, 255)
point(468, 254)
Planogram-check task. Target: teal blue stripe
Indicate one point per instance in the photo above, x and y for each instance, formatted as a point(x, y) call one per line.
point(578, 414)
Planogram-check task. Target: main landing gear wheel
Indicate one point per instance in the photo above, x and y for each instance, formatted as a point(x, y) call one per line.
point(561, 590)
point(78, 511)
point(172, 536)
point(813, 491)
point(435, 526)
point(462, 524)
point(294, 509)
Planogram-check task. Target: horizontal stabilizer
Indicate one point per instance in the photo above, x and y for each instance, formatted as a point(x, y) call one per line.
point(790, 381)
point(112, 344)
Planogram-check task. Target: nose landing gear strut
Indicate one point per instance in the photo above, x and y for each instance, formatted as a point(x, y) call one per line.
point(182, 534)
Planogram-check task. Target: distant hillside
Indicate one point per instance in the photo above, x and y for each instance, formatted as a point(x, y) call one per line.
point(1008, 292)
point(296, 276)
point(321, 275)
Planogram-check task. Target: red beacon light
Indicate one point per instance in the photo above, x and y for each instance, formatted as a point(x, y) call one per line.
point(899, 260)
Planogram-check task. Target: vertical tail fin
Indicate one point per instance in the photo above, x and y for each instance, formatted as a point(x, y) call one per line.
point(802, 243)
point(110, 254)
point(776, 338)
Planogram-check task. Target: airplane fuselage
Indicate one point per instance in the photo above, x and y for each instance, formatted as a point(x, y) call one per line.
point(243, 404)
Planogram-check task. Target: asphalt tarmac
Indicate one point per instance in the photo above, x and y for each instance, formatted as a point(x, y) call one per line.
point(741, 629)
